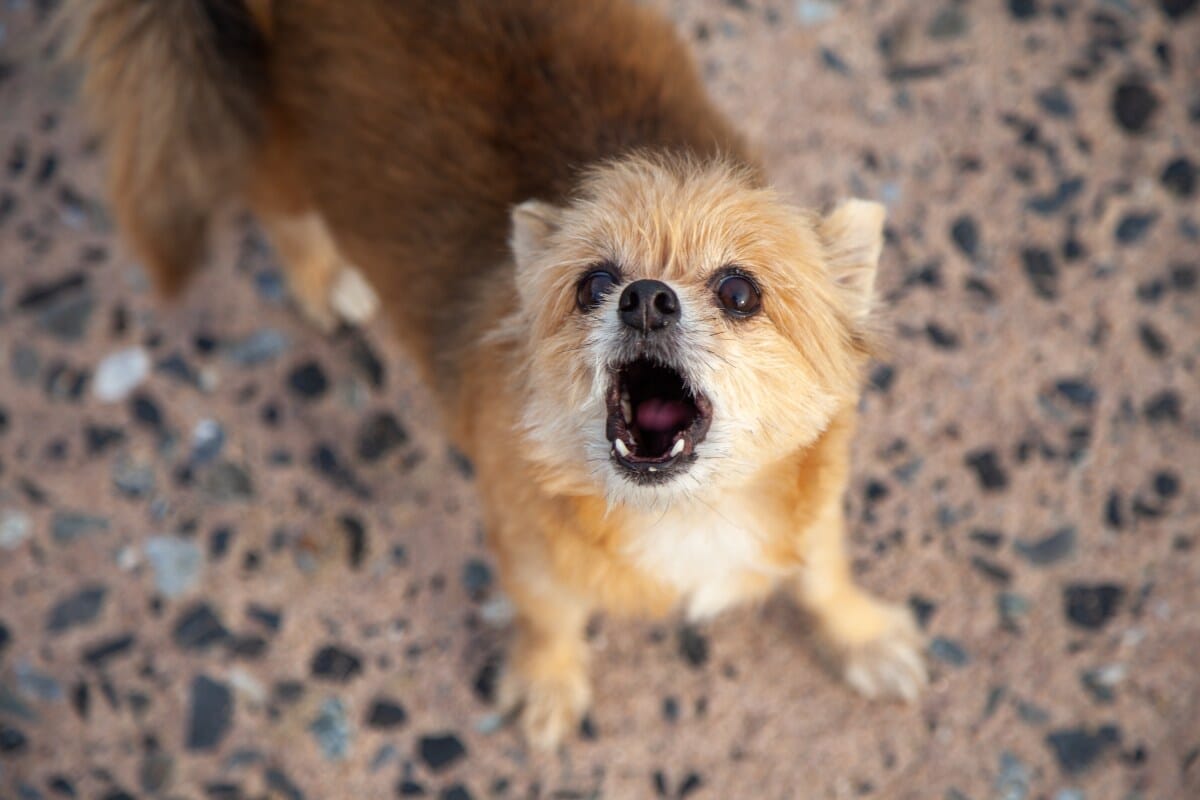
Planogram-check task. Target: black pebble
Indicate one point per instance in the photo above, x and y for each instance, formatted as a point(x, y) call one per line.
point(12, 740)
point(104, 651)
point(204, 343)
point(308, 380)
point(410, 788)
point(670, 709)
point(269, 618)
point(324, 459)
point(281, 784)
point(1166, 484)
point(379, 435)
point(145, 411)
point(210, 715)
point(455, 792)
point(1178, 9)
point(100, 438)
point(386, 713)
point(218, 542)
point(882, 377)
point(1066, 191)
point(198, 628)
point(1050, 549)
point(1077, 391)
point(1133, 227)
point(43, 295)
point(248, 646)
point(1179, 177)
point(1183, 277)
point(1077, 749)
point(1113, 515)
point(1023, 9)
point(80, 608)
point(1041, 271)
point(692, 782)
point(965, 234)
point(1134, 105)
point(486, 678)
point(335, 664)
point(922, 608)
point(441, 751)
point(81, 699)
point(1092, 605)
point(989, 472)
point(363, 357)
point(476, 578)
point(693, 646)
point(941, 338)
point(461, 462)
point(5, 636)
point(61, 786)
point(1055, 101)
point(1153, 340)
point(987, 538)
point(356, 539)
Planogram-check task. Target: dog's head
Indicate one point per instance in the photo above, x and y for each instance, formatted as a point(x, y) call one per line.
point(685, 327)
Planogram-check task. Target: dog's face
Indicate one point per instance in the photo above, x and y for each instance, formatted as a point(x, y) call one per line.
point(685, 329)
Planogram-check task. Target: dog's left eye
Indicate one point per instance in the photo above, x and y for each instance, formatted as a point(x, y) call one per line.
point(739, 295)
point(593, 287)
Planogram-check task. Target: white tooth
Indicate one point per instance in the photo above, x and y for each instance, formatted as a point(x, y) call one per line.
point(654, 469)
point(621, 448)
point(627, 409)
point(678, 448)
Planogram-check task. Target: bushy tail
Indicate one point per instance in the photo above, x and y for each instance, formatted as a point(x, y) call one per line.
point(176, 89)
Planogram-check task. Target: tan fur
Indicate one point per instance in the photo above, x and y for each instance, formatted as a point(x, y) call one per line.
point(474, 160)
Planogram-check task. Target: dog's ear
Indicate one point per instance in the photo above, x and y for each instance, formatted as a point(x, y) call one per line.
point(532, 223)
point(853, 237)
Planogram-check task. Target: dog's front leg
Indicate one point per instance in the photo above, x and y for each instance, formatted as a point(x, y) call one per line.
point(545, 681)
point(875, 645)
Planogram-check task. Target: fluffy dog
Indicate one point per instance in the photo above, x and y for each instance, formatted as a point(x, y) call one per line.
point(651, 358)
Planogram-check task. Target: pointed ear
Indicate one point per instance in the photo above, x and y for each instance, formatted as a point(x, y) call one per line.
point(532, 223)
point(853, 236)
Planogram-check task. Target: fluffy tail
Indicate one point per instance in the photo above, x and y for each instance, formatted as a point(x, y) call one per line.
point(176, 89)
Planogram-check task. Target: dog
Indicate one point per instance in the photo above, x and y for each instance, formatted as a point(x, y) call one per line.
point(651, 358)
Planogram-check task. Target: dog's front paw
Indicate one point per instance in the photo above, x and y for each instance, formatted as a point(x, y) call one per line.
point(547, 707)
point(878, 649)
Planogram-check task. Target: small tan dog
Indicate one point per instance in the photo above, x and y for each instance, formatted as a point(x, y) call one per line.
point(652, 360)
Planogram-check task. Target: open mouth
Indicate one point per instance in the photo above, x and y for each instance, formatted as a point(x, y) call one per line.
point(655, 420)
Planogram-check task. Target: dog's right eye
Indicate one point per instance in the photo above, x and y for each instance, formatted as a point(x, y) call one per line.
point(593, 287)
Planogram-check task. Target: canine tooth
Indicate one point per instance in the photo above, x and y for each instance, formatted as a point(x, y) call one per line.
point(678, 448)
point(654, 469)
point(622, 448)
point(627, 409)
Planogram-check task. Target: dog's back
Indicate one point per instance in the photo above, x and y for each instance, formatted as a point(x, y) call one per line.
point(410, 128)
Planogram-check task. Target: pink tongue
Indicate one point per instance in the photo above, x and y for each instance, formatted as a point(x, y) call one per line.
point(661, 415)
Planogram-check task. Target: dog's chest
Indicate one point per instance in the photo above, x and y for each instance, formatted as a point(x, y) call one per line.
point(713, 556)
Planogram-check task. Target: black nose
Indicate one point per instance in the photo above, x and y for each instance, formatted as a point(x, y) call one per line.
point(648, 305)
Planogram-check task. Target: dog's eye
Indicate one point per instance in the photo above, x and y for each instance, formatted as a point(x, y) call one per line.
point(739, 296)
point(593, 287)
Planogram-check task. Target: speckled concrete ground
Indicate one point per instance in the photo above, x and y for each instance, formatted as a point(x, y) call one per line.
point(256, 571)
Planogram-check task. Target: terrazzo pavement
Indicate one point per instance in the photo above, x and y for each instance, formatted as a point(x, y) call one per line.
point(238, 560)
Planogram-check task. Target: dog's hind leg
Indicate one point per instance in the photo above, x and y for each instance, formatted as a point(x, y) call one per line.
point(327, 289)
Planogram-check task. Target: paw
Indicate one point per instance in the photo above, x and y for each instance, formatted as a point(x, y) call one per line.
point(347, 298)
point(352, 298)
point(887, 663)
point(547, 709)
